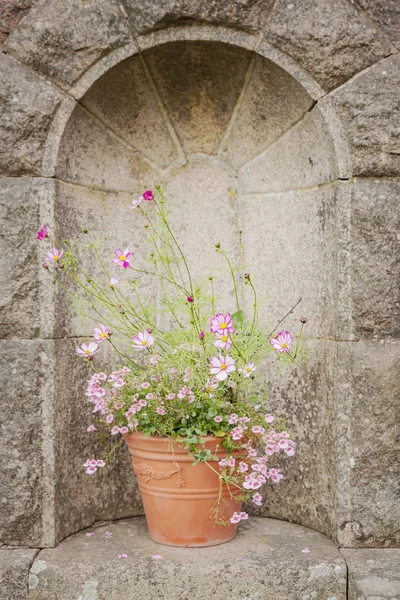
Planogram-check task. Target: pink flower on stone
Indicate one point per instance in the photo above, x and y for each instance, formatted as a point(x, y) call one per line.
point(101, 333)
point(148, 196)
point(113, 282)
point(87, 350)
point(108, 534)
point(306, 550)
point(55, 254)
point(122, 555)
point(222, 324)
point(143, 340)
point(244, 516)
point(235, 518)
point(157, 556)
point(43, 233)
point(91, 428)
point(221, 367)
point(269, 419)
point(122, 258)
point(282, 342)
point(89, 534)
point(223, 342)
point(136, 200)
point(257, 499)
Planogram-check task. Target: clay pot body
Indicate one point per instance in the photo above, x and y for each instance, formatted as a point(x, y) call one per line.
point(179, 499)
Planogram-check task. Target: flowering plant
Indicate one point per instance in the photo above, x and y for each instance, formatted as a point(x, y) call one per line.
point(194, 378)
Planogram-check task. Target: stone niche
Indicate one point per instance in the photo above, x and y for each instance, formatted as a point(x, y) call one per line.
point(247, 158)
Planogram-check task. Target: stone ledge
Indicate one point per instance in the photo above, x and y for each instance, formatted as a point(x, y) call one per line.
point(14, 567)
point(264, 561)
point(374, 573)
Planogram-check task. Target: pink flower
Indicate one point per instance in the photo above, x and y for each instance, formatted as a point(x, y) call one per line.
point(143, 340)
point(91, 428)
point(257, 499)
point(122, 555)
point(244, 516)
point(122, 258)
point(90, 470)
point(100, 333)
point(42, 234)
point(101, 463)
point(87, 350)
point(158, 556)
point(306, 550)
point(89, 534)
point(55, 255)
point(258, 429)
point(113, 282)
point(218, 419)
point(148, 196)
point(136, 200)
point(223, 342)
point(170, 396)
point(211, 385)
point(222, 324)
point(269, 419)
point(221, 367)
point(243, 467)
point(248, 369)
point(108, 534)
point(115, 430)
point(233, 419)
point(282, 342)
point(123, 430)
point(145, 385)
point(160, 410)
point(109, 419)
point(235, 518)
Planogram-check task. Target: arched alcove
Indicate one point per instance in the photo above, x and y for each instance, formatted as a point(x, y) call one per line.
point(248, 159)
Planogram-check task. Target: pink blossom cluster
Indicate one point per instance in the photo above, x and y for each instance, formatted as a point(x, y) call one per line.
point(237, 517)
point(91, 465)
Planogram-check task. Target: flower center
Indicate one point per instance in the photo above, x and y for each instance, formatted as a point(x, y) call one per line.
point(144, 342)
point(122, 257)
point(87, 351)
point(223, 367)
point(224, 338)
point(223, 326)
point(56, 257)
point(284, 345)
point(248, 369)
point(102, 335)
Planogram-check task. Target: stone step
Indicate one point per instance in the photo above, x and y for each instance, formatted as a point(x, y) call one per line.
point(268, 560)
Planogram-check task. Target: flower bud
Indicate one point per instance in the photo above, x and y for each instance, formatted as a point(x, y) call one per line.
point(303, 320)
point(201, 335)
point(190, 299)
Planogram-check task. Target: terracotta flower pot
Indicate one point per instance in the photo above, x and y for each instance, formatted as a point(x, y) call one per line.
point(179, 498)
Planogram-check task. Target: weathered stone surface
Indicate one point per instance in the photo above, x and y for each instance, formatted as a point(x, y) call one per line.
point(272, 103)
point(373, 573)
point(375, 263)
point(271, 564)
point(367, 402)
point(370, 109)
point(90, 155)
point(332, 40)
point(386, 13)
point(80, 208)
point(26, 508)
point(308, 244)
point(11, 12)
point(303, 396)
point(203, 195)
point(25, 204)
point(302, 157)
point(199, 84)
point(80, 499)
point(126, 100)
point(62, 40)
point(27, 106)
point(145, 15)
point(14, 570)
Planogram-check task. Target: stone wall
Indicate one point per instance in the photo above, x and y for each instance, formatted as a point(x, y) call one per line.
point(280, 116)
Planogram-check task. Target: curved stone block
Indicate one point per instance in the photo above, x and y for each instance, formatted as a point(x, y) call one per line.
point(61, 40)
point(331, 40)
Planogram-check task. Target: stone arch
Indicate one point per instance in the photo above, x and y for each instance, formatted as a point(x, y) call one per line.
point(237, 124)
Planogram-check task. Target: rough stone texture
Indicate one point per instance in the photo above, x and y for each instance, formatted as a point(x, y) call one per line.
point(112, 224)
point(302, 157)
point(110, 493)
point(373, 574)
point(61, 40)
point(386, 13)
point(14, 569)
point(273, 101)
point(26, 489)
point(367, 403)
point(126, 100)
point(90, 155)
point(27, 106)
point(273, 566)
point(25, 204)
point(199, 84)
point(369, 106)
point(308, 243)
point(303, 396)
point(375, 265)
point(332, 40)
point(146, 15)
point(11, 12)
